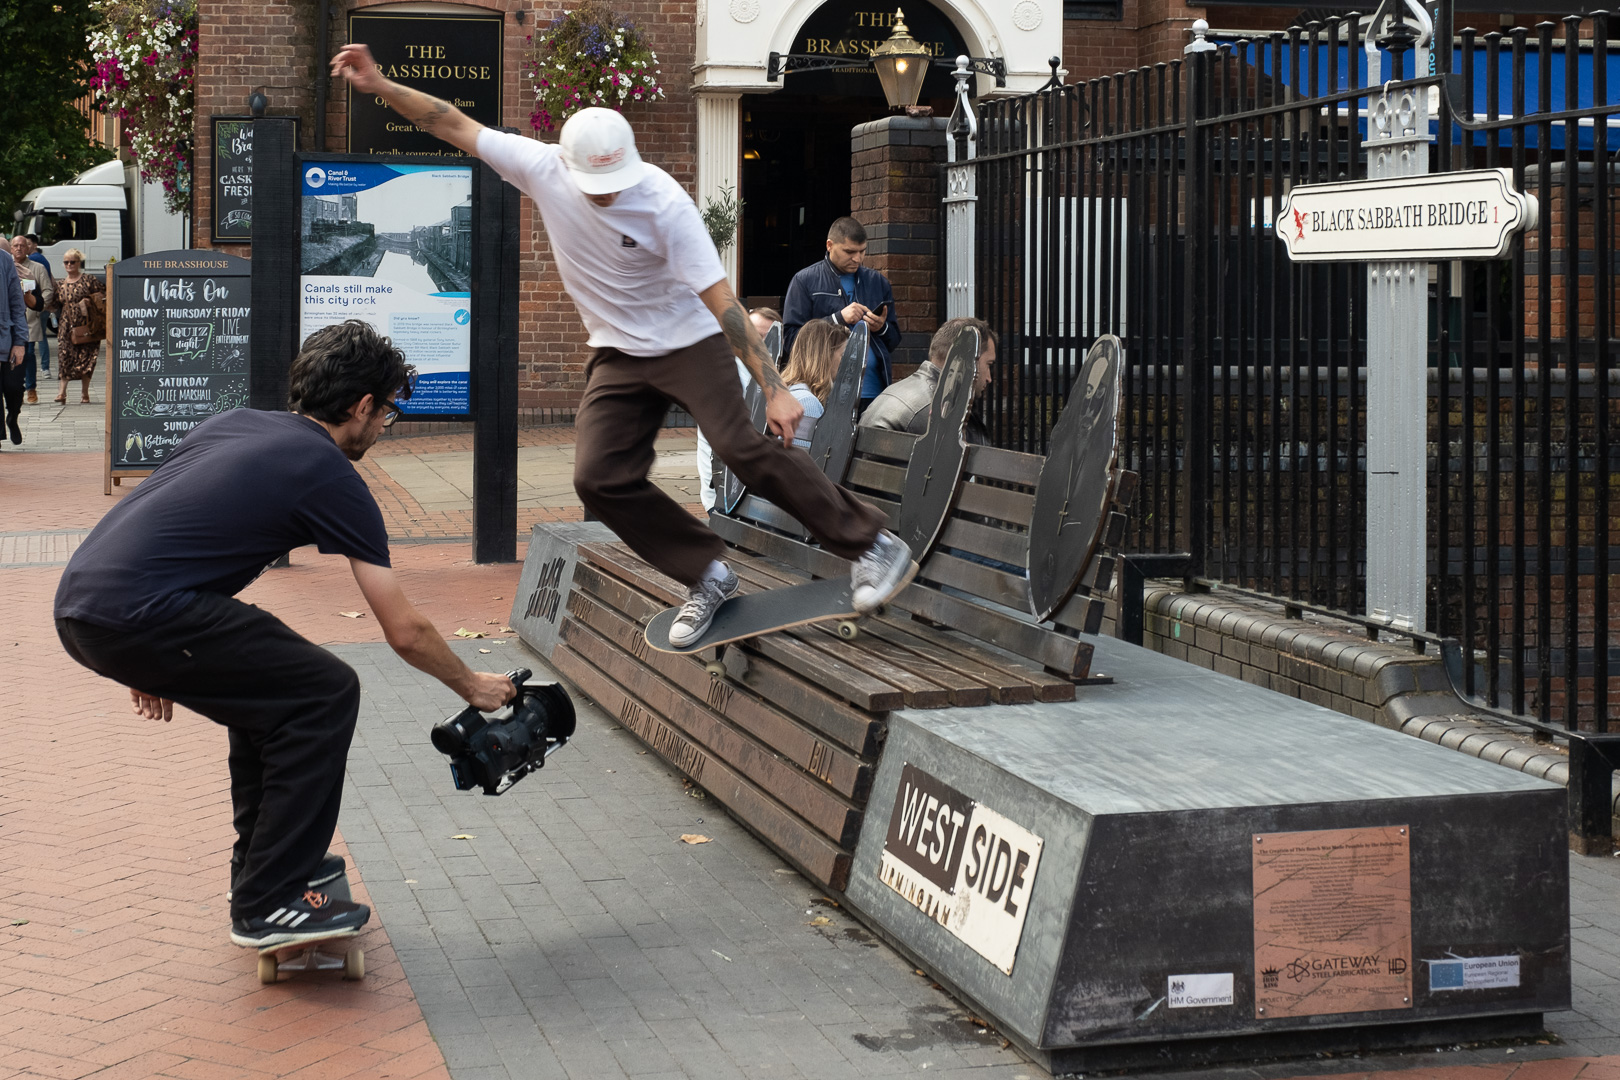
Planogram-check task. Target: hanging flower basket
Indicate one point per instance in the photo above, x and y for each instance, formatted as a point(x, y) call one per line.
point(145, 54)
point(588, 56)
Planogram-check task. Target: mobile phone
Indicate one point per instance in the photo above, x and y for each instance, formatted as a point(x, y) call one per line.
point(880, 310)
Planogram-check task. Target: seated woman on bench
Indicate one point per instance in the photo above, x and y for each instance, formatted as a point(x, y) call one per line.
point(812, 367)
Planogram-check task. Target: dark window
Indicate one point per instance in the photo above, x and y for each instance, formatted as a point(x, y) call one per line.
point(1093, 9)
point(60, 228)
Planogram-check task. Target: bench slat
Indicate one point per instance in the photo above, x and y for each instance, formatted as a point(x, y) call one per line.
point(1014, 467)
point(876, 476)
point(1014, 507)
point(997, 586)
point(836, 818)
point(753, 508)
point(881, 442)
point(1002, 545)
point(818, 856)
point(798, 742)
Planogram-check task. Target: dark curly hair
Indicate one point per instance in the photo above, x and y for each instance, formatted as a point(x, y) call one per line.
point(342, 363)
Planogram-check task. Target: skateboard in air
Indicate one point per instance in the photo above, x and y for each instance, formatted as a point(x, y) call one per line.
point(748, 616)
point(313, 956)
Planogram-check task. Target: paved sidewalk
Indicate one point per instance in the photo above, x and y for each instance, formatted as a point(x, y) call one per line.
point(562, 930)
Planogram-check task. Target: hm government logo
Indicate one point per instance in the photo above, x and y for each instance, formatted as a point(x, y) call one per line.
point(315, 176)
point(1178, 987)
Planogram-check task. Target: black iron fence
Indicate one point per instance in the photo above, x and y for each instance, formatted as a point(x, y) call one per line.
point(1142, 205)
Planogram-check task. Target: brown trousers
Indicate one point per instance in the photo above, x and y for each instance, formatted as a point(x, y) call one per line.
point(626, 398)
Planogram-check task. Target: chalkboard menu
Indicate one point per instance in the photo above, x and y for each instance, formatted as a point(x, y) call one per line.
point(233, 178)
point(178, 345)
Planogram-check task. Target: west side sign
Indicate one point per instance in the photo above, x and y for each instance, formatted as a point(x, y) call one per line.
point(1461, 215)
point(962, 864)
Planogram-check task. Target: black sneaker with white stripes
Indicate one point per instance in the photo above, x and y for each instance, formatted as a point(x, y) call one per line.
point(310, 917)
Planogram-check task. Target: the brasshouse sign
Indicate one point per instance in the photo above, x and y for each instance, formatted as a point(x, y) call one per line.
point(1461, 215)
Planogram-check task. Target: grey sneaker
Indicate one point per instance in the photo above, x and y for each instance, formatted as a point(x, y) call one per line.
point(702, 602)
point(881, 572)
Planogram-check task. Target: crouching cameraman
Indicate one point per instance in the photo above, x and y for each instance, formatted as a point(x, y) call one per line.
point(147, 600)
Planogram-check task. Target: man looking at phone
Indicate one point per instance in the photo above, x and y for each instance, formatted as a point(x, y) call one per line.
point(844, 292)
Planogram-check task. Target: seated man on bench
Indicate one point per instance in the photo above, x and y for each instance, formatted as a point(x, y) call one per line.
point(907, 404)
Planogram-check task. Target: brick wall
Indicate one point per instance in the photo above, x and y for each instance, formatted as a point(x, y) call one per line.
point(269, 45)
point(894, 193)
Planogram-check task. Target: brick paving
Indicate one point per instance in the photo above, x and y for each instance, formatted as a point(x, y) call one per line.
point(572, 934)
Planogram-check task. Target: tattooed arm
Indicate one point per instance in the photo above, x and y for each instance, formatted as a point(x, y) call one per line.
point(782, 409)
point(354, 63)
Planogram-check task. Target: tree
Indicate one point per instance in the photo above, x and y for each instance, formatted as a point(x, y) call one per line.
point(43, 137)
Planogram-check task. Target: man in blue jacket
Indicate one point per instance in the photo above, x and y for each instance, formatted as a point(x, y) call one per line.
point(842, 291)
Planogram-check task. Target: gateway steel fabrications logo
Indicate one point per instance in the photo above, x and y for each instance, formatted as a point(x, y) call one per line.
point(962, 864)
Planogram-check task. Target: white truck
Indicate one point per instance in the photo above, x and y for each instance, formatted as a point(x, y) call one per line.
point(105, 212)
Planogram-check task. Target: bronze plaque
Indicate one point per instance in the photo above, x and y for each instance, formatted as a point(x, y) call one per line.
point(1332, 921)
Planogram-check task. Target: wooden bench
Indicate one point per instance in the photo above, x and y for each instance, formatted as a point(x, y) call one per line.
point(789, 739)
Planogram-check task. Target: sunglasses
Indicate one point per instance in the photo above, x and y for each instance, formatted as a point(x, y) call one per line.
point(72, 262)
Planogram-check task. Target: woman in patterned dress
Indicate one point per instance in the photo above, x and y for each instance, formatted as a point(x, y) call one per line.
point(75, 361)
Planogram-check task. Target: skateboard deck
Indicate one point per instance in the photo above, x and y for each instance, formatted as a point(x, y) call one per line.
point(312, 956)
point(935, 469)
point(728, 489)
point(765, 612)
point(833, 443)
point(1072, 493)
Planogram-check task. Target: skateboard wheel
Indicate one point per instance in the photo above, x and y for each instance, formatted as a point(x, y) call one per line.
point(848, 630)
point(267, 969)
point(716, 669)
point(354, 965)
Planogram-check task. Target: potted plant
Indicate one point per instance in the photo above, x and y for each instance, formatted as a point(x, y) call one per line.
point(145, 53)
point(588, 56)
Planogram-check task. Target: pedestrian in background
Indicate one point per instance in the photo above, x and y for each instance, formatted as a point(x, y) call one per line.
point(909, 404)
point(77, 358)
point(811, 369)
point(38, 295)
point(842, 291)
point(763, 319)
point(47, 319)
point(13, 330)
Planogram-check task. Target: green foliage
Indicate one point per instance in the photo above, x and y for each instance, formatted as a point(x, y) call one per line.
point(721, 216)
point(44, 69)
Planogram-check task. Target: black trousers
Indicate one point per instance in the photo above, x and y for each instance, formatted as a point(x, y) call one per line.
point(290, 707)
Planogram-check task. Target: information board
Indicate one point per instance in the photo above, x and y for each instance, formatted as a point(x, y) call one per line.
point(389, 242)
point(456, 58)
point(177, 351)
point(233, 178)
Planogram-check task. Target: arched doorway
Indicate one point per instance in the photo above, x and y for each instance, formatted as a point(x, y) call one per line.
point(796, 159)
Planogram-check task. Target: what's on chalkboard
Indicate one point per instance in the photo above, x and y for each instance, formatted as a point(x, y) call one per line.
point(233, 178)
point(178, 344)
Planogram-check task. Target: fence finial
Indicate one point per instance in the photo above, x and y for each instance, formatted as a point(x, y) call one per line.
point(1200, 43)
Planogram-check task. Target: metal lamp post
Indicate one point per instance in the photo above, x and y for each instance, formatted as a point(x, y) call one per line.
point(902, 64)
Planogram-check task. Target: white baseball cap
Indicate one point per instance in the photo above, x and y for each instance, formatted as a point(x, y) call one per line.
point(600, 150)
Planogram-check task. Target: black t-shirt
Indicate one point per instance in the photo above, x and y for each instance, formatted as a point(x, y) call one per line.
point(241, 490)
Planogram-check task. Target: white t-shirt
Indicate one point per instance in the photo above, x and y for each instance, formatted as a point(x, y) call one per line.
point(634, 268)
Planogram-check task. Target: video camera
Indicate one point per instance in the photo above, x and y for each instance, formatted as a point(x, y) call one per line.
point(495, 754)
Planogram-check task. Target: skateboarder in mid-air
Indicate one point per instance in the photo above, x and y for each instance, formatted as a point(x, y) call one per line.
point(633, 253)
point(148, 601)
